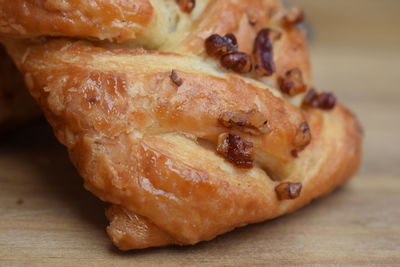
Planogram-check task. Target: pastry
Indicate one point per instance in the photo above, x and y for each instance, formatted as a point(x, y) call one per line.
point(16, 105)
point(191, 118)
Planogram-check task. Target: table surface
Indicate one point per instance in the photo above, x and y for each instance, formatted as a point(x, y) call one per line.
point(47, 218)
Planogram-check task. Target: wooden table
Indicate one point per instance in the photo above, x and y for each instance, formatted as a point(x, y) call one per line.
point(47, 218)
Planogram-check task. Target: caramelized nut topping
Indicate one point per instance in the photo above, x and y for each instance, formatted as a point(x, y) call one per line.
point(237, 61)
point(225, 48)
point(292, 82)
point(311, 99)
point(175, 79)
point(252, 122)
point(186, 5)
point(232, 41)
point(302, 138)
point(293, 17)
point(218, 46)
point(236, 150)
point(263, 51)
point(288, 190)
point(326, 101)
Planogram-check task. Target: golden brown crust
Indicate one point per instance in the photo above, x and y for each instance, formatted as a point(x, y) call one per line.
point(16, 105)
point(113, 20)
point(148, 144)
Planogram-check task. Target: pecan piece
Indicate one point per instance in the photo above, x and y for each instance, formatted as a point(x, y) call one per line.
point(236, 150)
point(288, 190)
point(237, 61)
point(175, 78)
point(252, 122)
point(186, 5)
point(218, 46)
point(291, 83)
point(302, 138)
point(263, 51)
point(326, 101)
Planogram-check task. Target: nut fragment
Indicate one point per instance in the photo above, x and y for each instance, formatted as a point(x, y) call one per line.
point(302, 138)
point(288, 190)
point(232, 41)
point(175, 79)
point(291, 83)
point(326, 101)
point(263, 51)
point(252, 122)
point(186, 5)
point(293, 17)
point(236, 150)
point(218, 46)
point(311, 99)
point(237, 61)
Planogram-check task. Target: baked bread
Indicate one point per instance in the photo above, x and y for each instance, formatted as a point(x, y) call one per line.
point(16, 105)
point(189, 118)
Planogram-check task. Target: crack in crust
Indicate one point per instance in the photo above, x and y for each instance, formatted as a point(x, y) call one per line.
point(126, 118)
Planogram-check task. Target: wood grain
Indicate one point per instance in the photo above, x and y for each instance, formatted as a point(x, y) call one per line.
point(47, 218)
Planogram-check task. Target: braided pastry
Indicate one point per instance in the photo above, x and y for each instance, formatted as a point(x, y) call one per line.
point(190, 118)
point(16, 105)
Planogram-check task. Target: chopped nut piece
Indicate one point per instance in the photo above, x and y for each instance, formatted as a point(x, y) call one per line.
point(326, 101)
point(252, 122)
point(263, 51)
point(232, 41)
point(302, 138)
point(292, 82)
point(311, 99)
point(288, 190)
point(218, 46)
point(186, 5)
point(236, 150)
point(237, 61)
point(175, 79)
point(293, 17)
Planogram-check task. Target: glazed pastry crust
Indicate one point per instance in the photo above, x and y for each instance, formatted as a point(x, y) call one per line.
point(147, 144)
point(103, 19)
point(144, 144)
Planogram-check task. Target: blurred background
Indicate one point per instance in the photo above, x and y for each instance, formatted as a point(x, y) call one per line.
point(355, 52)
